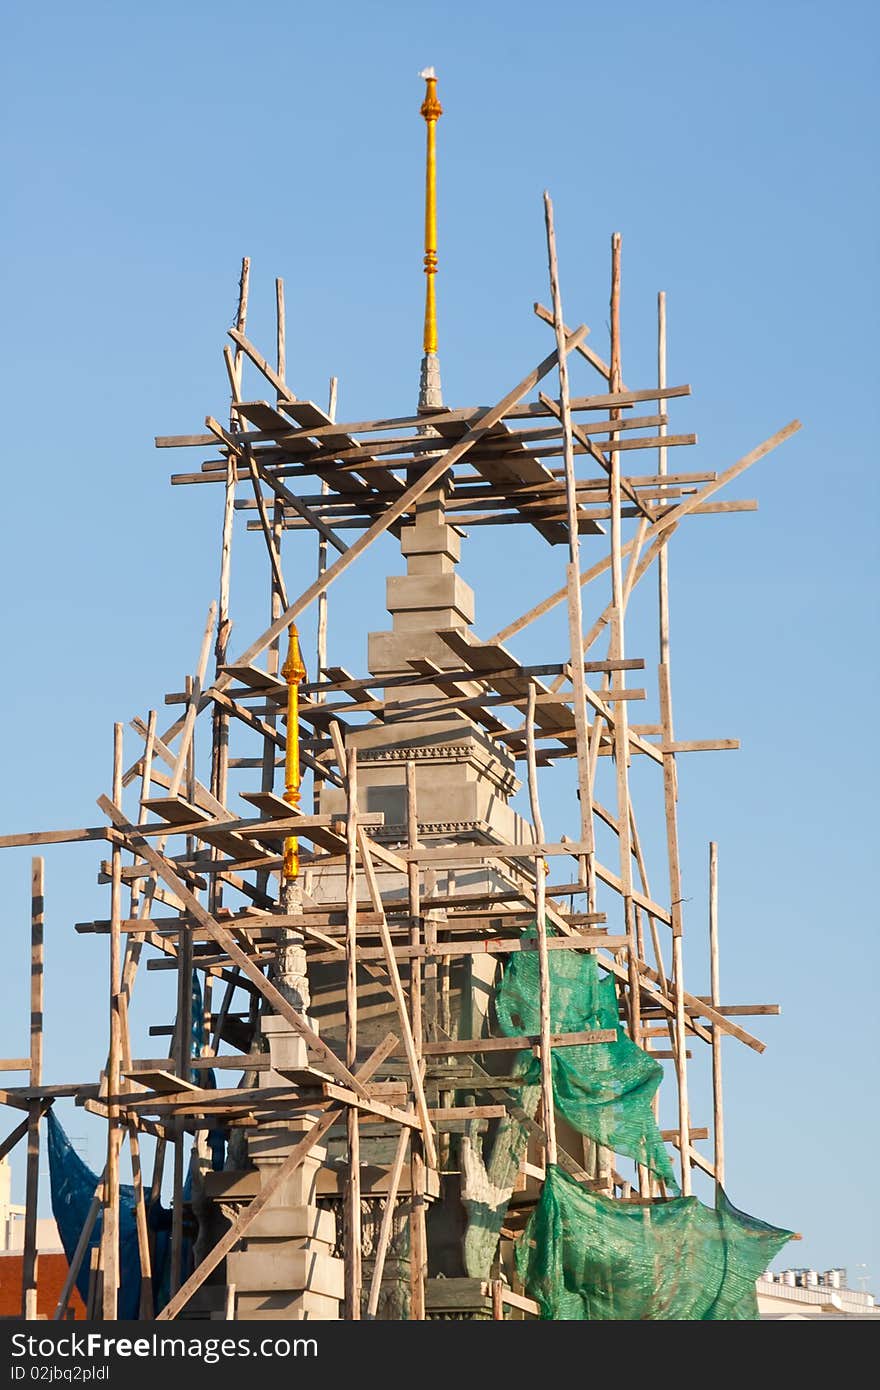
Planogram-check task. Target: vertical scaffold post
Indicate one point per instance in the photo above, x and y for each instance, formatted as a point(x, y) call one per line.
point(29, 1273)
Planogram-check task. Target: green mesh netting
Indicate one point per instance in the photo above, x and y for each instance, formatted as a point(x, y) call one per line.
point(586, 1257)
point(604, 1090)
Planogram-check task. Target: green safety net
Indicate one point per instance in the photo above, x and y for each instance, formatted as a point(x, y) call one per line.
point(587, 1257)
point(604, 1090)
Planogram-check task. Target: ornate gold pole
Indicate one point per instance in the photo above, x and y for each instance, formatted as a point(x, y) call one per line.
point(294, 672)
point(289, 967)
point(432, 111)
point(430, 394)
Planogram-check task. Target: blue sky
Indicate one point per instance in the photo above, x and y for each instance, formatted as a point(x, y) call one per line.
point(146, 149)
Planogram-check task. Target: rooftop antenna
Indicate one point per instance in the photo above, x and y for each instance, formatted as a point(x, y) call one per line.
point(430, 390)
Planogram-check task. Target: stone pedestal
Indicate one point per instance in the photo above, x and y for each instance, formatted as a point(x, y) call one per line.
point(284, 1267)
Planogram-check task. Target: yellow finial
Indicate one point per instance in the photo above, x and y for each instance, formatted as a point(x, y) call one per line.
point(293, 672)
point(432, 111)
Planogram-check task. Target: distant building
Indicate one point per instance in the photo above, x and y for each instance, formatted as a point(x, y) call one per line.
point(51, 1260)
point(12, 1221)
point(805, 1293)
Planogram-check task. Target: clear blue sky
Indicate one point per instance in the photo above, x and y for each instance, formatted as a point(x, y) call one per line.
point(147, 148)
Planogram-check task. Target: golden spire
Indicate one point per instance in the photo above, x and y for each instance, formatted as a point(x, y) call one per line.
point(432, 111)
point(293, 672)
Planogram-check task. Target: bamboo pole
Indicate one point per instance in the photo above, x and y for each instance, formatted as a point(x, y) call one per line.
point(110, 1230)
point(717, 1093)
point(30, 1258)
point(352, 1209)
point(573, 587)
point(541, 922)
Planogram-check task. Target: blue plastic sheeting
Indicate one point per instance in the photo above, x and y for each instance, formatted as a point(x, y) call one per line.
point(73, 1186)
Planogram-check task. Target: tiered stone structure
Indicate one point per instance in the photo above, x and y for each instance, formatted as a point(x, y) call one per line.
point(464, 781)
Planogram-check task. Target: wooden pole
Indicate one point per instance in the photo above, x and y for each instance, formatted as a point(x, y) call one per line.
point(29, 1262)
point(220, 718)
point(129, 967)
point(675, 912)
point(413, 1060)
point(541, 922)
point(352, 1210)
point(183, 1036)
point(663, 557)
point(280, 347)
point(276, 588)
point(110, 1230)
point(573, 587)
point(321, 651)
point(717, 1094)
point(617, 652)
point(418, 1238)
point(387, 1221)
point(78, 1256)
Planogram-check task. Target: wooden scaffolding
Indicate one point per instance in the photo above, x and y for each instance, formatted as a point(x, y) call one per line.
point(200, 888)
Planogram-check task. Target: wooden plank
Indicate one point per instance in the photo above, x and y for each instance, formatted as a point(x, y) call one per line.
point(453, 1113)
point(55, 837)
point(165, 1082)
point(517, 1044)
point(517, 1300)
point(492, 946)
point(530, 409)
point(454, 853)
